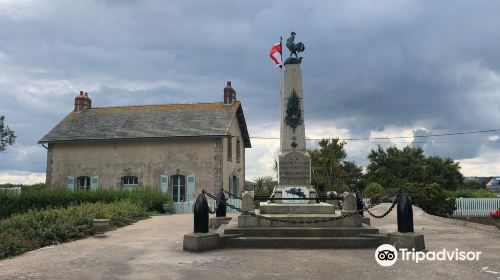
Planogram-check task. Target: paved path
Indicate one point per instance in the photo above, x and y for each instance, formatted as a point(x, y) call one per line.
point(152, 249)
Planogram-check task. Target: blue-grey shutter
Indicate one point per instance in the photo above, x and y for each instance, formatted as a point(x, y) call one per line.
point(94, 183)
point(190, 187)
point(236, 186)
point(70, 183)
point(164, 184)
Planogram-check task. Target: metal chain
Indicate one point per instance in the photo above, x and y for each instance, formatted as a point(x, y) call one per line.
point(325, 220)
point(231, 195)
point(379, 202)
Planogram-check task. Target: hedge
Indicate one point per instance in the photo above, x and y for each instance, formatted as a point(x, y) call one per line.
point(431, 198)
point(35, 229)
point(42, 198)
point(480, 193)
point(373, 189)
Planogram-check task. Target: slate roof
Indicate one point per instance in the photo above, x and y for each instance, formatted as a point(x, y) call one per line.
point(149, 122)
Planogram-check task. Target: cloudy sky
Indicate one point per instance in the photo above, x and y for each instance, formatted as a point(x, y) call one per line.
point(370, 69)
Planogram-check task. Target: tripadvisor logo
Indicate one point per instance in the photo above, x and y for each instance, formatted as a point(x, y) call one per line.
point(387, 255)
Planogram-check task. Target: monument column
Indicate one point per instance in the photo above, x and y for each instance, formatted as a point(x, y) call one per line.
point(292, 135)
point(294, 164)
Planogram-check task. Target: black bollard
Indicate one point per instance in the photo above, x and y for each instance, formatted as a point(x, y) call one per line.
point(201, 214)
point(405, 214)
point(220, 210)
point(359, 203)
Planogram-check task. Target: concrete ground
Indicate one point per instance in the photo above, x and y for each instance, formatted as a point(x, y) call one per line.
point(152, 249)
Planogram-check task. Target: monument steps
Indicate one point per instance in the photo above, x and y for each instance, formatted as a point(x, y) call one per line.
point(303, 242)
point(302, 232)
point(247, 221)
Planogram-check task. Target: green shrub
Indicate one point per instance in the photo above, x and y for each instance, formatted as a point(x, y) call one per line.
point(265, 185)
point(42, 198)
point(431, 198)
point(481, 193)
point(373, 189)
point(34, 229)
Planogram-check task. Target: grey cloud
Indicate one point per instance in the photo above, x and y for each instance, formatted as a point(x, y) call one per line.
point(367, 65)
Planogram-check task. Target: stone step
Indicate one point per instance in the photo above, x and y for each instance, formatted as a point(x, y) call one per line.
point(247, 221)
point(285, 208)
point(302, 232)
point(302, 242)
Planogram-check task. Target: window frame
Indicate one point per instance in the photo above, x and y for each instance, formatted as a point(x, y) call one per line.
point(179, 187)
point(238, 150)
point(229, 148)
point(130, 182)
point(234, 186)
point(87, 183)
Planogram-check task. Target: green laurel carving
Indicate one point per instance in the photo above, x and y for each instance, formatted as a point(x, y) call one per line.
point(293, 112)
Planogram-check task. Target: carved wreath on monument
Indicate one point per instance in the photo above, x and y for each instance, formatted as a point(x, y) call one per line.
point(293, 116)
point(296, 191)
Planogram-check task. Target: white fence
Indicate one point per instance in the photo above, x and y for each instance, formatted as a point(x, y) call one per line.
point(187, 207)
point(476, 206)
point(16, 190)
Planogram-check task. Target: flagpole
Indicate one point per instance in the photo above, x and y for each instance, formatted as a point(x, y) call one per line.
point(281, 87)
point(282, 66)
point(282, 91)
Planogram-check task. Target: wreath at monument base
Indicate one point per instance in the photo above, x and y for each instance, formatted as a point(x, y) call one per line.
point(297, 192)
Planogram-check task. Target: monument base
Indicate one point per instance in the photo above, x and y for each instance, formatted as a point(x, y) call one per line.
point(247, 221)
point(215, 223)
point(278, 193)
point(198, 242)
point(302, 208)
point(407, 240)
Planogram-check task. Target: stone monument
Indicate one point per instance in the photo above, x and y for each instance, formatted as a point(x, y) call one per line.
point(294, 163)
point(302, 222)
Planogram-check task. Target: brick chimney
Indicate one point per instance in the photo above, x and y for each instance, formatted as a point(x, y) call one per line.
point(82, 102)
point(229, 94)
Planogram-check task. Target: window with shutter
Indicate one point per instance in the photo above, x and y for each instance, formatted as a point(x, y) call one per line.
point(164, 183)
point(70, 183)
point(94, 184)
point(179, 188)
point(83, 183)
point(238, 150)
point(229, 148)
point(190, 187)
point(234, 187)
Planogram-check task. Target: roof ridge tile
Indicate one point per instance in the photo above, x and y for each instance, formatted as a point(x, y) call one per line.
point(153, 105)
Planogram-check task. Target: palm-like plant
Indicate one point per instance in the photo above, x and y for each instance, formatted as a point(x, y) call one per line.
point(327, 165)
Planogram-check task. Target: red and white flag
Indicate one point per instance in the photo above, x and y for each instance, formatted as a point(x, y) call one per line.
point(275, 54)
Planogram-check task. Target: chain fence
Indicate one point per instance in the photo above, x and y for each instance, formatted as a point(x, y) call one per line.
point(231, 194)
point(316, 221)
point(394, 203)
